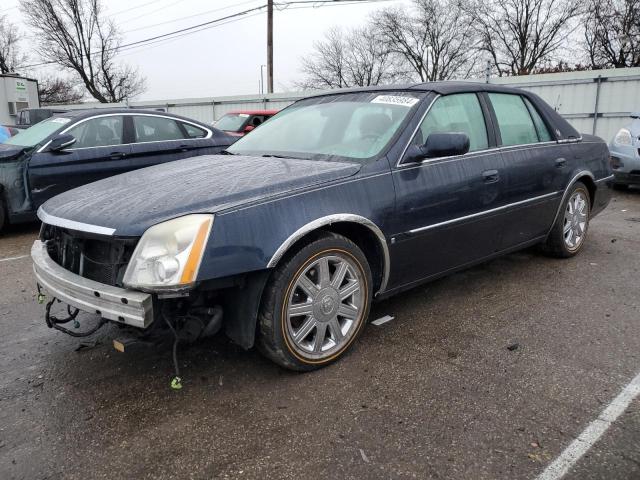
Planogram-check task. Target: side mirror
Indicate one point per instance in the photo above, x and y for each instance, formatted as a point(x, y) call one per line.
point(248, 128)
point(439, 144)
point(61, 142)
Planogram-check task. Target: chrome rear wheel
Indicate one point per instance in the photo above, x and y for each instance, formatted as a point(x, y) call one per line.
point(576, 217)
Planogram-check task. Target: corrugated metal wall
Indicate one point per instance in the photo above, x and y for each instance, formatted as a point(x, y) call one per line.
point(593, 101)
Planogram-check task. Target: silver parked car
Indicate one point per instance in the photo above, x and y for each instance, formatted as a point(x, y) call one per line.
point(625, 153)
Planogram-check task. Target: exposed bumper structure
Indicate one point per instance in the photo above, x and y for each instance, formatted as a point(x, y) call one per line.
point(113, 303)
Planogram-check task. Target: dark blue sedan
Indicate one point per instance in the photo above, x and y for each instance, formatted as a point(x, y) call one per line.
point(337, 200)
point(82, 146)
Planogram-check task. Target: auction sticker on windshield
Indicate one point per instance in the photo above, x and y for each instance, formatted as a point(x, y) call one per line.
point(396, 100)
point(61, 120)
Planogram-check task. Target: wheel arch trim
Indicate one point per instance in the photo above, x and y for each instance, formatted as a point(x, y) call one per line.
point(338, 218)
point(574, 179)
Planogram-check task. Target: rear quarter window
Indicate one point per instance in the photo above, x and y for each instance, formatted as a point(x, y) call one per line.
point(514, 120)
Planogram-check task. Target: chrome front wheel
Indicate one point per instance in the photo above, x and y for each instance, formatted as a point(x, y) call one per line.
point(325, 305)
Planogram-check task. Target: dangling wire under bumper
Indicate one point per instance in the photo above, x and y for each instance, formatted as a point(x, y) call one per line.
point(54, 322)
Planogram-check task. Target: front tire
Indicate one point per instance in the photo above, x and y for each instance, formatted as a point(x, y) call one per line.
point(315, 304)
point(570, 230)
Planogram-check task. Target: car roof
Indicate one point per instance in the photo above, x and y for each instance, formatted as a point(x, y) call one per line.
point(253, 112)
point(442, 88)
point(91, 112)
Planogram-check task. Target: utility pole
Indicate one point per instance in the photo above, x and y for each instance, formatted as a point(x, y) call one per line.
point(270, 46)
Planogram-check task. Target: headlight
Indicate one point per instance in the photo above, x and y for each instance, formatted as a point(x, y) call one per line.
point(169, 254)
point(623, 137)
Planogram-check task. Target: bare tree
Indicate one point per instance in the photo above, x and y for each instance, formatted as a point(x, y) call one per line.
point(58, 91)
point(435, 38)
point(612, 33)
point(354, 59)
point(75, 35)
point(10, 56)
point(521, 35)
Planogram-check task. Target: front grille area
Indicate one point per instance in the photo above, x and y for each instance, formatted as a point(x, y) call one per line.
point(100, 258)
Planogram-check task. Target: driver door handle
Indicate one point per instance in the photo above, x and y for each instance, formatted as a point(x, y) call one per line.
point(490, 176)
point(117, 155)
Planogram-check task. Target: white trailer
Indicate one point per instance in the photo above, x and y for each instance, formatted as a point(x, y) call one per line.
point(16, 93)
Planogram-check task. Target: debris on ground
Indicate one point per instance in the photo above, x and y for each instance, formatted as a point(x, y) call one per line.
point(381, 320)
point(513, 347)
point(364, 456)
point(87, 345)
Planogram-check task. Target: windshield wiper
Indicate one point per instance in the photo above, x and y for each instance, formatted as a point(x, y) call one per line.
point(280, 156)
point(226, 152)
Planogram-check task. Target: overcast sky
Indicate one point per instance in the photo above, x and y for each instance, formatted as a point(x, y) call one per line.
point(224, 60)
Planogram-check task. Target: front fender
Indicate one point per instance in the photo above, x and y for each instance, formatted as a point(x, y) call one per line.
point(255, 237)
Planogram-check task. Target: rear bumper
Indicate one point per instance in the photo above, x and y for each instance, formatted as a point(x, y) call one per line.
point(118, 304)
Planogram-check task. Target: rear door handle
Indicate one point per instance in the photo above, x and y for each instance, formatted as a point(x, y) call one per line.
point(561, 162)
point(490, 176)
point(185, 148)
point(117, 155)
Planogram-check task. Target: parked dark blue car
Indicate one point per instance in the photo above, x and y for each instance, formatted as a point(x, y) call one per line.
point(337, 200)
point(79, 147)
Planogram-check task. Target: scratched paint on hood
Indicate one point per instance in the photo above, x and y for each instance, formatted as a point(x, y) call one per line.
point(133, 201)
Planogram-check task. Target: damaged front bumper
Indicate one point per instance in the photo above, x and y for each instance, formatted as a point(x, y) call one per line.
point(118, 304)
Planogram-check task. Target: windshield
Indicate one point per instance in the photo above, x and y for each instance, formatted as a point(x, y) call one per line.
point(352, 126)
point(232, 122)
point(37, 133)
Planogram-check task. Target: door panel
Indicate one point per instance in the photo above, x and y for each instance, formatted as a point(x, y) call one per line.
point(535, 176)
point(535, 168)
point(98, 153)
point(444, 206)
point(52, 173)
point(432, 203)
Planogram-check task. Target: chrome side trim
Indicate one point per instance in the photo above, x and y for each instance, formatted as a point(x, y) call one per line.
point(479, 214)
point(610, 177)
point(73, 225)
point(328, 220)
point(118, 304)
point(575, 178)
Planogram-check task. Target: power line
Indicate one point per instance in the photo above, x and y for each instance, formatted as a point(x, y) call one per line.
point(119, 12)
point(211, 23)
point(127, 20)
point(145, 27)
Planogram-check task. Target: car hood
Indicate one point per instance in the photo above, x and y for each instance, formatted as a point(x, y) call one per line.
point(132, 202)
point(9, 152)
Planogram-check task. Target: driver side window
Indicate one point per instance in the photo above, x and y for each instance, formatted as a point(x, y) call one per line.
point(460, 113)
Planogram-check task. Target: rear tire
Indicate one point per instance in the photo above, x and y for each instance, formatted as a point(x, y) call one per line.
point(570, 229)
point(316, 304)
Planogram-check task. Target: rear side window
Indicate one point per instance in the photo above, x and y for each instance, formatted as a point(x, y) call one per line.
point(456, 113)
point(156, 129)
point(515, 122)
point(541, 127)
point(193, 131)
point(98, 132)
